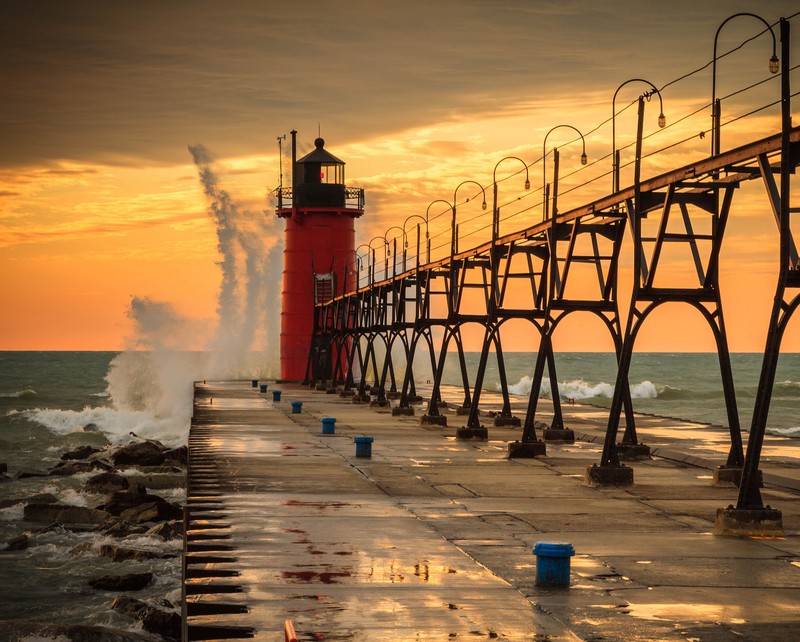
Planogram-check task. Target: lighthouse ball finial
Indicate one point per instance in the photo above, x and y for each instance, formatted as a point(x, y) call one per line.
point(319, 143)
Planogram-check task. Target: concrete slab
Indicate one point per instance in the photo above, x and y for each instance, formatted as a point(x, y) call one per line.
point(431, 538)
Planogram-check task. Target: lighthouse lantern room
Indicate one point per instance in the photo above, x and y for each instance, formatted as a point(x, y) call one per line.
point(319, 243)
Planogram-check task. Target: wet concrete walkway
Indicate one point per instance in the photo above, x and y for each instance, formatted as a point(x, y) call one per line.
point(431, 538)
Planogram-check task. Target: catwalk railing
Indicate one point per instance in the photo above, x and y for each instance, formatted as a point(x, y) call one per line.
point(569, 262)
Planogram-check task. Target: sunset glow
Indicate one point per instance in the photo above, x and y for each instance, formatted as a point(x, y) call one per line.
point(100, 201)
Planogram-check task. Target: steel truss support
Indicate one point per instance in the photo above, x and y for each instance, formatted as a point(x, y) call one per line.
point(685, 209)
point(750, 516)
point(704, 249)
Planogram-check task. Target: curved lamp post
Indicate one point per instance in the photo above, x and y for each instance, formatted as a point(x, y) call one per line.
point(454, 227)
point(774, 66)
point(495, 211)
point(385, 257)
point(360, 267)
point(394, 244)
point(544, 165)
point(424, 220)
point(662, 121)
point(427, 220)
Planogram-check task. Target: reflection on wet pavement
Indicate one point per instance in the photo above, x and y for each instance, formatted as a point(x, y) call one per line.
point(431, 538)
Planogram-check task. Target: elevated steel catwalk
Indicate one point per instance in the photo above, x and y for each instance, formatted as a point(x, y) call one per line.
point(427, 308)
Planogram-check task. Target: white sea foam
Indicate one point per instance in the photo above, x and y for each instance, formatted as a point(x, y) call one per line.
point(115, 424)
point(72, 497)
point(580, 389)
point(12, 513)
point(785, 432)
point(25, 394)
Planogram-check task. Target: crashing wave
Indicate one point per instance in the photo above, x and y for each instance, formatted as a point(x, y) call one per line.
point(580, 389)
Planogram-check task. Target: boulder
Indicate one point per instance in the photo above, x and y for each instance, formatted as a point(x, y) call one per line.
point(144, 453)
point(158, 481)
point(91, 427)
point(26, 474)
point(120, 554)
point(116, 527)
point(178, 455)
point(63, 514)
point(40, 498)
point(154, 620)
point(73, 467)
point(106, 482)
point(129, 582)
point(151, 512)
point(18, 543)
point(119, 502)
point(81, 452)
point(167, 530)
point(89, 633)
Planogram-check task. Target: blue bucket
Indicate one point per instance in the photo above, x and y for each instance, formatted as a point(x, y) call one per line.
point(552, 563)
point(297, 407)
point(263, 387)
point(255, 383)
point(363, 446)
point(276, 395)
point(328, 426)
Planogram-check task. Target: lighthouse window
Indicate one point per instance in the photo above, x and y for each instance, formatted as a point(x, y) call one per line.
point(331, 174)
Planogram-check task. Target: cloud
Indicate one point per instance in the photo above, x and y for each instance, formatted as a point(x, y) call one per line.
point(131, 83)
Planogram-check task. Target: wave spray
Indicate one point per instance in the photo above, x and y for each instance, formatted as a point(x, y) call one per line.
point(155, 374)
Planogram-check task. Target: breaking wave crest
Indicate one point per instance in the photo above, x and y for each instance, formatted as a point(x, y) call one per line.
point(116, 425)
point(580, 389)
point(19, 394)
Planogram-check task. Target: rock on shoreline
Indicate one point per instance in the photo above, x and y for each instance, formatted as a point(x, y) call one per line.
point(124, 505)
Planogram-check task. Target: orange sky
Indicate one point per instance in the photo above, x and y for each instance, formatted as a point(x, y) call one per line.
point(100, 201)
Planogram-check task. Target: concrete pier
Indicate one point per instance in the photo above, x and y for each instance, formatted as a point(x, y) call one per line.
point(431, 538)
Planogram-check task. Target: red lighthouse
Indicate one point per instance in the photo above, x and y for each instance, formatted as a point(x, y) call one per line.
point(319, 244)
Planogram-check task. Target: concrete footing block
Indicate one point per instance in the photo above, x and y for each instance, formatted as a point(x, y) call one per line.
point(476, 434)
point(749, 522)
point(346, 394)
point(331, 390)
point(565, 435)
point(394, 394)
point(526, 449)
point(415, 399)
point(608, 475)
point(506, 422)
point(361, 398)
point(732, 476)
point(463, 411)
point(633, 452)
point(380, 403)
point(402, 412)
point(433, 420)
